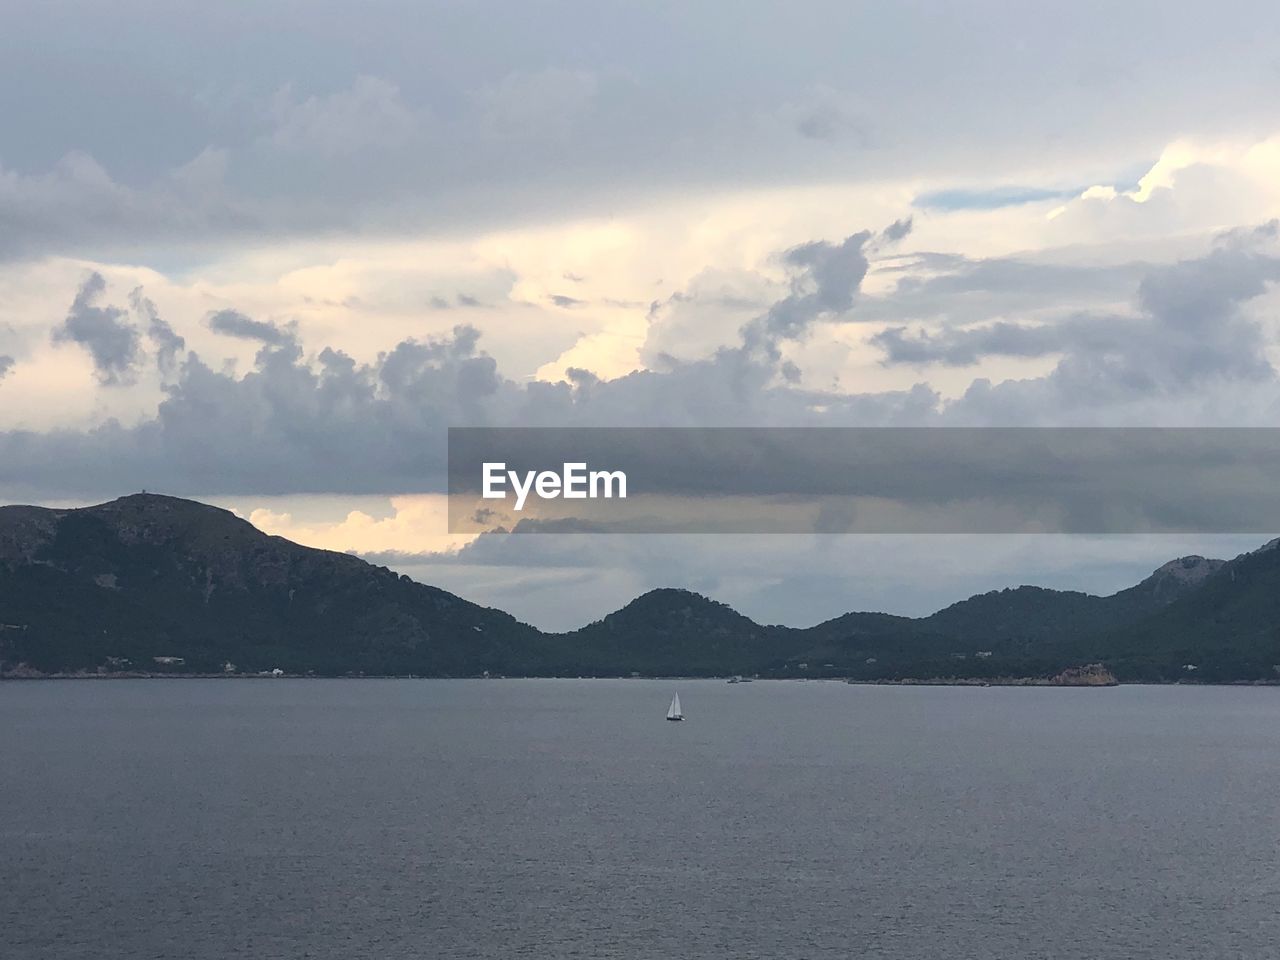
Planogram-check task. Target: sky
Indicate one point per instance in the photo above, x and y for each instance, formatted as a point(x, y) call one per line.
point(264, 255)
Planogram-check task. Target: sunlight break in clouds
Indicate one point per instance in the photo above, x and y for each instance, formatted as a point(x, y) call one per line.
point(416, 524)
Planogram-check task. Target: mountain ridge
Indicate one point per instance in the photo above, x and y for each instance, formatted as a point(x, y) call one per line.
point(159, 582)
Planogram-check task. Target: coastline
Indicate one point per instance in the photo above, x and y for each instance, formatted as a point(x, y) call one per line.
point(1041, 682)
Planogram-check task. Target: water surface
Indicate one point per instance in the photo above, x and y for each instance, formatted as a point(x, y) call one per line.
point(554, 818)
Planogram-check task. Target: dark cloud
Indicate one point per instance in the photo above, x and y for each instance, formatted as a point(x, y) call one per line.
point(168, 344)
point(601, 117)
point(459, 300)
point(898, 230)
point(232, 323)
point(105, 332)
point(829, 122)
point(6, 364)
point(954, 289)
point(826, 280)
point(560, 300)
point(964, 347)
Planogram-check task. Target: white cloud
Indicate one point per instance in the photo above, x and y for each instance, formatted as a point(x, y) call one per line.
point(407, 524)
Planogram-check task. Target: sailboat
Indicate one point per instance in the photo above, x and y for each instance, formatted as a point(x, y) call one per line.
point(673, 711)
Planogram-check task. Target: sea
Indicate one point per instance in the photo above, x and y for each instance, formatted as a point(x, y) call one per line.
point(340, 819)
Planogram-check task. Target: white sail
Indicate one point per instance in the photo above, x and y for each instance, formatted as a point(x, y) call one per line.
point(673, 712)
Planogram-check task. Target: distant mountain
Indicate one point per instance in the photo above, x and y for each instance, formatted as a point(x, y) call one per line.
point(1023, 630)
point(1226, 628)
point(666, 632)
point(1034, 613)
point(153, 584)
point(1175, 578)
point(147, 577)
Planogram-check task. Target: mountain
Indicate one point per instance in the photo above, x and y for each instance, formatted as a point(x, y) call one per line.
point(1026, 631)
point(666, 632)
point(1035, 613)
point(152, 583)
point(147, 577)
point(1226, 628)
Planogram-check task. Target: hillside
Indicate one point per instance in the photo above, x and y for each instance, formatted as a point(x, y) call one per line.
point(1017, 631)
point(667, 632)
point(148, 576)
point(153, 584)
point(1226, 629)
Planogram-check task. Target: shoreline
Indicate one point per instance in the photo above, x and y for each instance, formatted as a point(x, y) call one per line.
point(1040, 682)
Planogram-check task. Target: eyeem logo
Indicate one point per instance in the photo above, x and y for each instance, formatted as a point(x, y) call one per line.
point(574, 482)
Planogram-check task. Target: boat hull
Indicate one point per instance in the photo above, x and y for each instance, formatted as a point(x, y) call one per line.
point(675, 719)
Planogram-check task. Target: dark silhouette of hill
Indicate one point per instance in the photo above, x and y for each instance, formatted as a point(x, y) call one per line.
point(669, 632)
point(146, 581)
point(1226, 629)
point(149, 576)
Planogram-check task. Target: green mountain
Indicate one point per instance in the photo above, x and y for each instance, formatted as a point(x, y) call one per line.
point(147, 577)
point(1228, 628)
point(1018, 631)
point(667, 632)
point(151, 583)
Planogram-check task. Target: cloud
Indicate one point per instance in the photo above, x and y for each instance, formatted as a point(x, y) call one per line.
point(826, 279)
point(419, 521)
point(76, 207)
point(450, 123)
point(6, 364)
point(289, 424)
point(560, 300)
point(898, 230)
point(462, 300)
point(346, 123)
point(955, 289)
point(1188, 329)
point(325, 422)
point(965, 347)
point(232, 323)
point(524, 104)
point(823, 115)
point(331, 424)
point(168, 344)
point(562, 113)
point(706, 315)
point(112, 342)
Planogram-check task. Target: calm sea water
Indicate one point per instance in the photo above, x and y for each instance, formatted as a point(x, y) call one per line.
point(496, 819)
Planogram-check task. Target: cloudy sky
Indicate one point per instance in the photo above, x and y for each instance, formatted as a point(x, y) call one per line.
point(265, 254)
